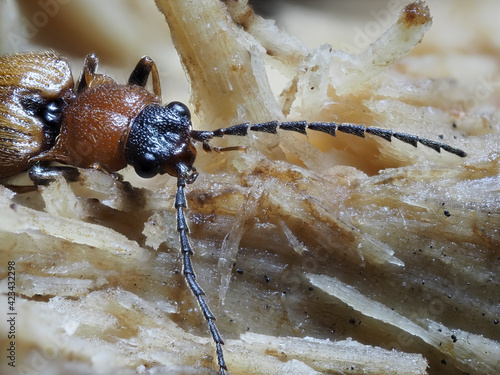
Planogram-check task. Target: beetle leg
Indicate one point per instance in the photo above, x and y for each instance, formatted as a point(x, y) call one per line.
point(89, 69)
point(140, 75)
point(42, 175)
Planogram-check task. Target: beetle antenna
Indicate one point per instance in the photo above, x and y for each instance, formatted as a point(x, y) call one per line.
point(326, 127)
point(183, 230)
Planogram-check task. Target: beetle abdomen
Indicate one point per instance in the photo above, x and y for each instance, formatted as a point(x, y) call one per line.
point(34, 90)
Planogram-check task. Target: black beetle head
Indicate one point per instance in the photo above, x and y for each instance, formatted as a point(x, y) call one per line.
point(160, 142)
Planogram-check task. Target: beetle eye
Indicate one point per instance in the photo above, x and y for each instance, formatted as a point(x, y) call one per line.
point(146, 165)
point(180, 108)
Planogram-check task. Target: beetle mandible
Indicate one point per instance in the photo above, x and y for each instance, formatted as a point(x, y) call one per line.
point(105, 125)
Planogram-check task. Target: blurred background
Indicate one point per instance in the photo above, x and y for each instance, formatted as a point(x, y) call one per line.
point(121, 32)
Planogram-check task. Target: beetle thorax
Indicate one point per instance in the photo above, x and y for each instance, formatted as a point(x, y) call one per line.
point(95, 126)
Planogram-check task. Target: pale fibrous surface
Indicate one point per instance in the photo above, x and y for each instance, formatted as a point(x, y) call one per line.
point(318, 255)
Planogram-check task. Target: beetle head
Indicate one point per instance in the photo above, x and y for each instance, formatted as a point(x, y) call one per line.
point(159, 142)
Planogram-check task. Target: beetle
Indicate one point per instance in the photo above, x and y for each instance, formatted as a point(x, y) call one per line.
point(101, 124)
